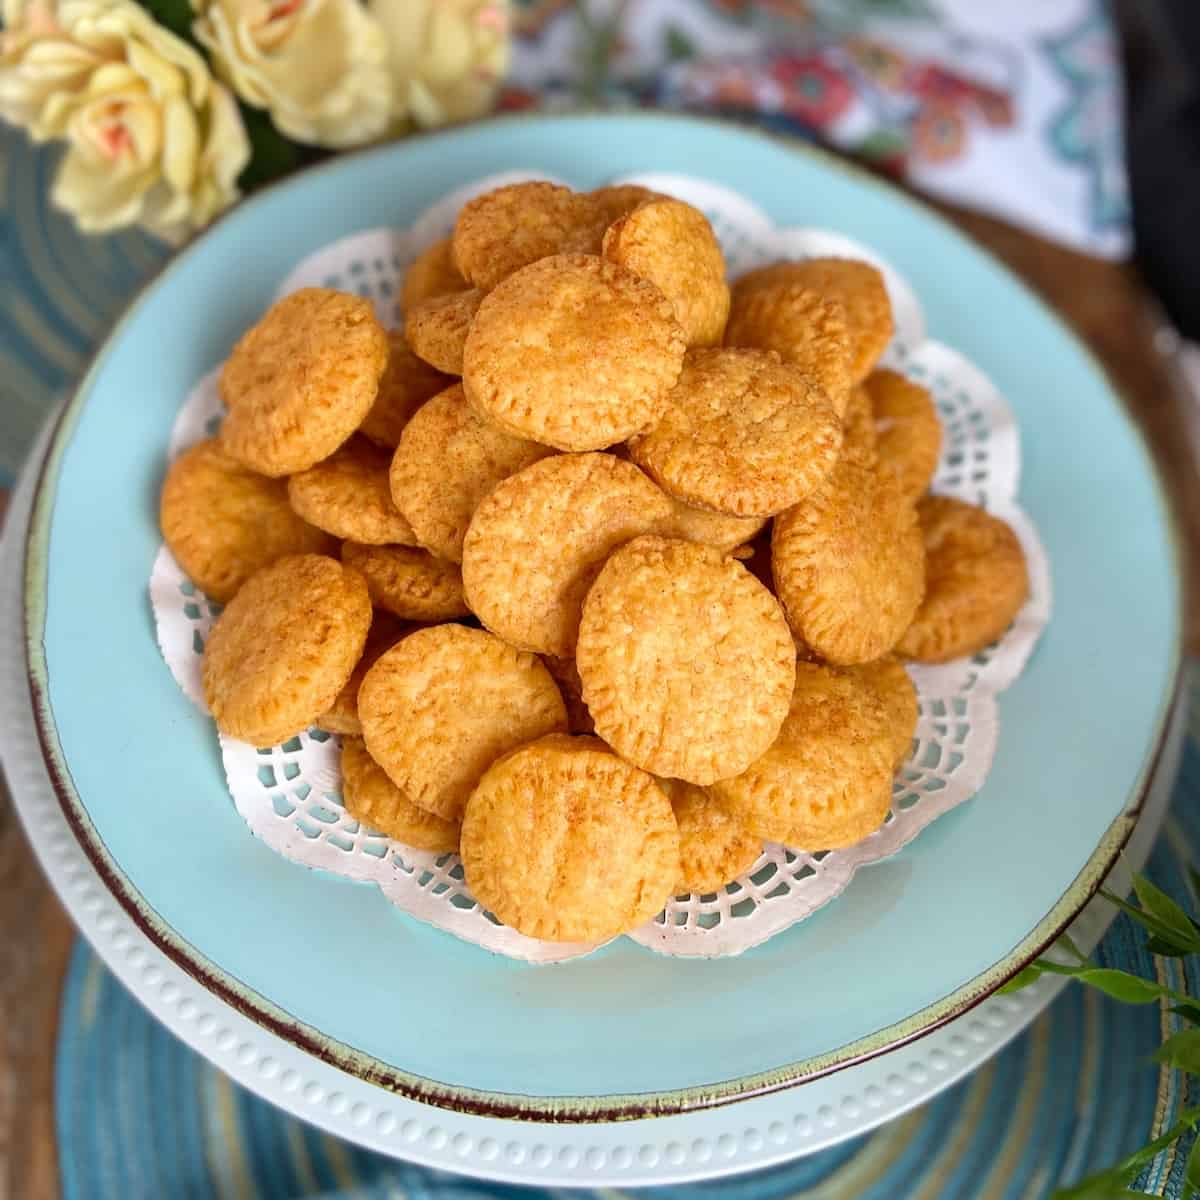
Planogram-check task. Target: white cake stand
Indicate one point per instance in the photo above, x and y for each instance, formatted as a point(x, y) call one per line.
point(732, 1138)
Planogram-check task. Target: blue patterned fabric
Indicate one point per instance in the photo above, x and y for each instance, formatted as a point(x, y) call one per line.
point(141, 1115)
point(59, 293)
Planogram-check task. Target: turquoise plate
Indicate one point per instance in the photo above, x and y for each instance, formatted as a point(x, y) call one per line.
point(329, 964)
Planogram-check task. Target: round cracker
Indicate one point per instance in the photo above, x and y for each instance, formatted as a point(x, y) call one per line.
point(444, 703)
point(504, 230)
point(606, 205)
point(432, 273)
point(574, 352)
point(670, 243)
point(538, 540)
point(715, 844)
point(407, 382)
point(564, 841)
point(408, 582)
point(686, 660)
point(724, 532)
point(222, 522)
point(347, 495)
point(448, 459)
point(894, 689)
point(857, 285)
point(342, 715)
point(437, 329)
point(849, 566)
point(570, 687)
point(803, 327)
point(827, 779)
point(976, 581)
point(742, 433)
point(300, 382)
point(284, 647)
point(908, 431)
point(371, 797)
point(858, 429)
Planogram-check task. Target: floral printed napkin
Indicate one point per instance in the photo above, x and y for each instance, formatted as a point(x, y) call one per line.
point(1014, 107)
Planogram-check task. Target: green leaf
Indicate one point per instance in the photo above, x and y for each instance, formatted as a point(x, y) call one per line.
point(1189, 1012)
point(1065, 940)
point(1121, 985)
point(1110, 1184)
point(1164, 949)
point(175, 15)
point(1053, 968)
point(1191, 1174)
point(1194, 876)
point(1182, 1051)
point(1022, 979)
point(1106, 1185)
point(271, 154)
point(1153, 924)
point(1155, 900)
point(1186, 1121)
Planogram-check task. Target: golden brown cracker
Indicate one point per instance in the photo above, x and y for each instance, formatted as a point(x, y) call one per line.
point(372, 798)
point(758, 561)
point(342, 715)
point(570, 687)
point(827, 780)
point(437, 329)
point(347, 495)
point(444, 703)
point(448, 459)
point(857, 285)
point(858, 429)
point(670, 243)
point(563, 841)
point(284, 647)
point(742, 433)
point(908, 430)
point(894, 689)
point(686, 660)
point(803, 327)
point(504, 230)
point(715, 844)
point(407, 382)
point(976, 581)
point(538, 540)
point(432, 273)
point(725, 532)
point(223, 522)
point(574, 352)
point(604, 206)
point(408, 582)
point(849, 566)
point(300, 382)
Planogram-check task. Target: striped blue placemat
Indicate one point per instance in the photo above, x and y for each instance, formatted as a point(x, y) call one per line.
point(141, 1115)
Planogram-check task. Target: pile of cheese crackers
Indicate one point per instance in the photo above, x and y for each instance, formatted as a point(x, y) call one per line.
point(603, 569)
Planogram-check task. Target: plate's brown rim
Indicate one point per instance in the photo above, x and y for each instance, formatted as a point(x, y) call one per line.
point(559, 1109)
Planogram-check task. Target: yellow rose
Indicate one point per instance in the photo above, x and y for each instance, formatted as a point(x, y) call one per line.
point(447, 56)
point(41, 69)
point(152, 139)
point(318, 66)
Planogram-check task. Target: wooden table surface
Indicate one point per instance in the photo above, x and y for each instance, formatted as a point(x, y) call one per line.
point(1106, 305)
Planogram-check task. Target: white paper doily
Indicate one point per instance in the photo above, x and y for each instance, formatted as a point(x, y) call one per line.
point(289, 795)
